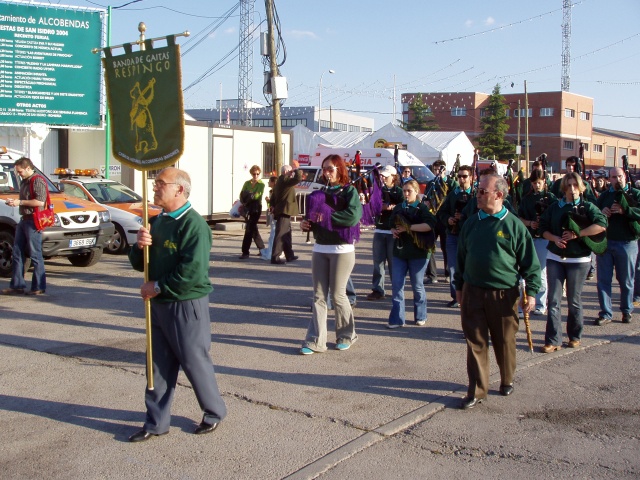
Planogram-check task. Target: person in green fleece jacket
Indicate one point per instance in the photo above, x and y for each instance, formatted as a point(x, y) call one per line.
point(495, 250)
point(179, 242)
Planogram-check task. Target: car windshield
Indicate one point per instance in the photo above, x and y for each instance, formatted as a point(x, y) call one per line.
point(421, 173)
point(112, 193)
point(10, 182)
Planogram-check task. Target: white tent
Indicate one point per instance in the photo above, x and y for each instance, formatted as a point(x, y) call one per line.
point(393, 134)
point(343, 139)
point(305, 142)
point(450, 145)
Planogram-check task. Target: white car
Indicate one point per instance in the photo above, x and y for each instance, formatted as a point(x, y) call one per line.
point(124, 205)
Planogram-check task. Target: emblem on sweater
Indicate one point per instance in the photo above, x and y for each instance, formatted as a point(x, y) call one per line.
point(501, 234)
point(170, 245)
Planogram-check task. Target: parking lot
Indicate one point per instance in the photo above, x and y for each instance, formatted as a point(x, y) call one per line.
point(72, 384)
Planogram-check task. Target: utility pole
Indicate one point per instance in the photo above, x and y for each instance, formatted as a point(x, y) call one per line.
point(526, 127)
point(277, 127)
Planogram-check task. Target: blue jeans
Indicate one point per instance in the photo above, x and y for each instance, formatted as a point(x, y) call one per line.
point(416, 268)
point(382, 253)
point(28, 243)
point(575, 275)
point(636, 280)
point(621, 256)
point(541, 251)
point(452, 257)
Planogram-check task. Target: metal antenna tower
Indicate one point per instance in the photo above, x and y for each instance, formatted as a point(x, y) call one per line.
point(566, 45)
point(245, 72)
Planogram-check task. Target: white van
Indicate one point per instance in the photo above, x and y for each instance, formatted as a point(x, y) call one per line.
point(369, 157)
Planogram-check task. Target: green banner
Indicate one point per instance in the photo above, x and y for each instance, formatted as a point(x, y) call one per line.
point(144, 95)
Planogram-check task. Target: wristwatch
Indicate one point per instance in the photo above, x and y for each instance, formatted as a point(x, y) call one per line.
point(156, 288)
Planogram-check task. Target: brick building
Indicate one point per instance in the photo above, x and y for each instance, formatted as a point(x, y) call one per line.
point(558, 122)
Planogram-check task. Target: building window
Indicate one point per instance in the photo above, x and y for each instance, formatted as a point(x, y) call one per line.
point(522, 112)
point(546, 112)
point(325, 124)
point(405, 118)
point(366, 129)
point(569, 113)
point(291, 122)
point(597, 148)
point(483, 112)
point(340, 126)
point(585, 115)
point(405, 107)
point(507, 112)
point(633, 152)
point(568, 145)
point(262, 122)
point(585, 146)
point(458, 112)
point(354, 128)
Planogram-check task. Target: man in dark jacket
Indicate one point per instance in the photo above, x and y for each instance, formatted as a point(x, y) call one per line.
point(285, 206)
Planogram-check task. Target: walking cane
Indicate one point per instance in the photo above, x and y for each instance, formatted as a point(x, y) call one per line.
point(527, 325)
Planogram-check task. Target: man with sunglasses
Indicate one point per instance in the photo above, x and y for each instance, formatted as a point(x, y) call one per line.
point(495, 249)
point(449, 215)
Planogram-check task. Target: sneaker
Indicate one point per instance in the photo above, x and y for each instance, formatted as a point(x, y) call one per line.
point(13, 291)
point(453, 304)
point(626, 318)
point(430, 280)
point(394, 325)
point(421, 323)
point(306, 351)
point(375, 295)
point(343, 346)
point(539, 311)
point(600, 321)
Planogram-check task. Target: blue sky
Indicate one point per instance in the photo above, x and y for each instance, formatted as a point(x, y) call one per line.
point(421, 45)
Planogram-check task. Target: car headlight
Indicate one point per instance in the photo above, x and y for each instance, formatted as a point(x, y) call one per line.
point(105, 216)
point(139, 220)
point(56, 220)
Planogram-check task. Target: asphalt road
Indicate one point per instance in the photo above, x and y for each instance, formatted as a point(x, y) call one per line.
point(72, 384)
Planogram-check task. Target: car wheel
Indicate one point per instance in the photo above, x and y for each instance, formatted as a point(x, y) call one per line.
point(86, 259)
point(6, 253)
point(118, 242)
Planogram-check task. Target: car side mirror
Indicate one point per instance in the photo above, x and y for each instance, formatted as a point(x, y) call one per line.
point(60, 186)
point(4, 178)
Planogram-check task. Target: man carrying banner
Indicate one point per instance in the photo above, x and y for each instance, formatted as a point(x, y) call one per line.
point(179, 243)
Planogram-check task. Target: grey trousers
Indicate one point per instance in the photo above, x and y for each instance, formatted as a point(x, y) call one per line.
point(331, 271)
point(181, 337)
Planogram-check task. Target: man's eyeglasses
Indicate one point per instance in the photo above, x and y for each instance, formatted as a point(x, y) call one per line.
point(463, 176)
point(162, 183)
point(483, 191)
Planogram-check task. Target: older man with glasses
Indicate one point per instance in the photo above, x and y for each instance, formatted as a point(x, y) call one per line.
point(495, 249)
point(449, 214)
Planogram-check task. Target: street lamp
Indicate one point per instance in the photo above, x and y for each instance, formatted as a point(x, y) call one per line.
point(320, 97)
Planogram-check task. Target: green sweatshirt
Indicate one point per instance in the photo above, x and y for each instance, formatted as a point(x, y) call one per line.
point(404, 247)
point(448, 207)
point(178, 256)
point(390, 196)
point(527, 207)
point(349, 216)
point(619, 225)
point(551, 221)
point(494, 252)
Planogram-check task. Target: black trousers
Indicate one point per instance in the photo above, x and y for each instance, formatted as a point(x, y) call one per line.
point(251, 232)
point(282, 241)
point(432, 270)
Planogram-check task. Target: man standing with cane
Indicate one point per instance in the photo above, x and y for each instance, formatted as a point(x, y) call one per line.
point(178, 287)
point(494, 250)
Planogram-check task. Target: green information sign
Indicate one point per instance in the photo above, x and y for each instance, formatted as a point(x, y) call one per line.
point(47, 71)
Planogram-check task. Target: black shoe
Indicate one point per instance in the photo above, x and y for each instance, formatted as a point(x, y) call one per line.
point(278, 261)
point(205, 428)
point(600, 321)
point(626, 318)
point(469, 402)
point(292, 259)
point(375, 295)
point(13, 291)
point(143, 436)
point(453, 304)
point(244, 256)
point(590, 276)
point(506, 390)
point(430, 280)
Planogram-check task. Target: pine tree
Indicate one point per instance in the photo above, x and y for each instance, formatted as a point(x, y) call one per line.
point(423, 119)
point(494, 125)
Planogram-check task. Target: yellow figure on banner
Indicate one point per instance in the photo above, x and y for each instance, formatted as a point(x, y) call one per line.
point(140, 116)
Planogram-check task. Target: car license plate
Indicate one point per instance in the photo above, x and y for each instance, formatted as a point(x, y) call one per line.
point(82, 242)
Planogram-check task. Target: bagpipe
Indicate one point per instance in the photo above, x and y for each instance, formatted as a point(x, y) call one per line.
point(626, 201)
point(540, 207)
point(436, 193)
point(321, 204)
point(577, 219)
point(461, 202)
point(422, 240)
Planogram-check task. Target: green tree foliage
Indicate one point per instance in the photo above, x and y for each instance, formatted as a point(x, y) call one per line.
point(494, 125)
point(422, 118)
